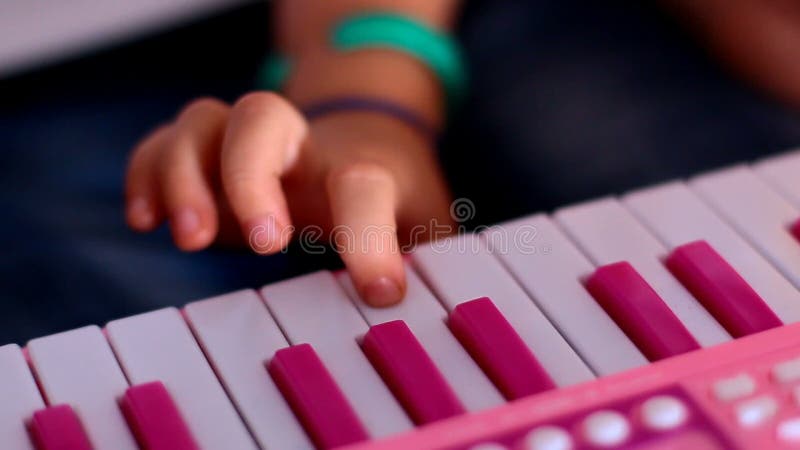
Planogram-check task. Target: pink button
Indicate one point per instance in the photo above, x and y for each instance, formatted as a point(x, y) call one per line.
point(723, 292)
point(315, 398)
point(795, 229)
point(498, 349)
point(154, 418)
point(691, 439)
point(639, 311)
point(58, 428)
point(402, 362)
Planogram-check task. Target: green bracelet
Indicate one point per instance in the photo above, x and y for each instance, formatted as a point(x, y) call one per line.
point(438, 51)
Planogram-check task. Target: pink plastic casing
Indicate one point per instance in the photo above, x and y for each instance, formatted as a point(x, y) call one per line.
point(315, 398)
point(410, 373)
point(795, 229)
point(154, 418)
point(723, 292)
point(58, 428)
point(498, 349)
point(693, 372)
point(639, 311)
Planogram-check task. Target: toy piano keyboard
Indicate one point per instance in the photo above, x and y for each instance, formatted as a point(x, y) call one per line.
point(666, 318)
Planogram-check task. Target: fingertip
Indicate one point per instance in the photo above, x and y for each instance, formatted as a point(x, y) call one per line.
point(267, 235)
point(189, 231)
point(383, 291)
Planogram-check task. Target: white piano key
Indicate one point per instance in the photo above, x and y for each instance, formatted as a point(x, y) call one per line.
point(78, 368)
point(677, 216)
point(782, 172)
point(460, 269)
point(757, 212)
point(239, 337)
point(19, 398)
point(314, 309)
point(158, 346)
point(550, 268)
point(608, 233)
point(426, 318)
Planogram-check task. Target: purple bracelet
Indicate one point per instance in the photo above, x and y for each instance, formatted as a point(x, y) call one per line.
point(368, 104)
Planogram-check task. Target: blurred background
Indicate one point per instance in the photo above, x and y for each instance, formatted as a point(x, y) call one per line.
point(569, 100)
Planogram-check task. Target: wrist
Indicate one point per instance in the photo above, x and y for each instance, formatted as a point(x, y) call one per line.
point(383, 74)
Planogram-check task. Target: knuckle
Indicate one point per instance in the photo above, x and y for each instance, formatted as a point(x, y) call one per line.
point(240, 183)
point(260, 102)
point(359, 172)
point(200, 106)
point(270, 104)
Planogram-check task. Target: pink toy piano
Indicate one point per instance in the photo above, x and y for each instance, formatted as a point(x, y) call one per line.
point(664, 318)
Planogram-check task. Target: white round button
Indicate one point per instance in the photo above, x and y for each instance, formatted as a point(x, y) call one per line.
point(789, 430)
point(606, 428)
point(548, 437)
point(664, 412)
point(488, 446)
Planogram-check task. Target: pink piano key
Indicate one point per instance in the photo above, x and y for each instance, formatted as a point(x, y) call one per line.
point(795, 229)
point(498, 349)
point(401, 361)
point(639, 311)
point(723, 292)
point(315, 398)
point(154, 418)
point(58, 428)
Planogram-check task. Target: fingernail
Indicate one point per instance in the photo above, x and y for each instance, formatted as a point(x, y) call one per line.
point(140, 212)
point(383, 292)
point(186, 221)
point(264, 235)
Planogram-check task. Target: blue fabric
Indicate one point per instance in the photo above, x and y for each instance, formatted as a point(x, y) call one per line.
point(570, 99)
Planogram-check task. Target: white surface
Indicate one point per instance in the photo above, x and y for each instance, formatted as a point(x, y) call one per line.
point(551, 274)
point(677, 216)
point(782, 172)
point(757, 212)
point(314, 309)
point(789, 430)
point(461, 269)
point(78, 368)
point(734, 387)
point(20, 398)
point(426, 318)
point(608, 233)
point(37, 31)
point(239, 337)
point(664, 412)
point(787, 371)
point(606, 428)
point(548, 437)
point(158, 346)
point(755, 411)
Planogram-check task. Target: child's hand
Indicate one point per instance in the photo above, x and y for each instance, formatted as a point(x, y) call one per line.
point(254, 169)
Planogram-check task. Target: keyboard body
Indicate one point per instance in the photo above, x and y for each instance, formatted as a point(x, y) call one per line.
point(665, 318)
point(690, 378)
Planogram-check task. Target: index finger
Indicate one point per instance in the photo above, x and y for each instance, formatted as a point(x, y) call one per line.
point(261, 142)
point(363, 200)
